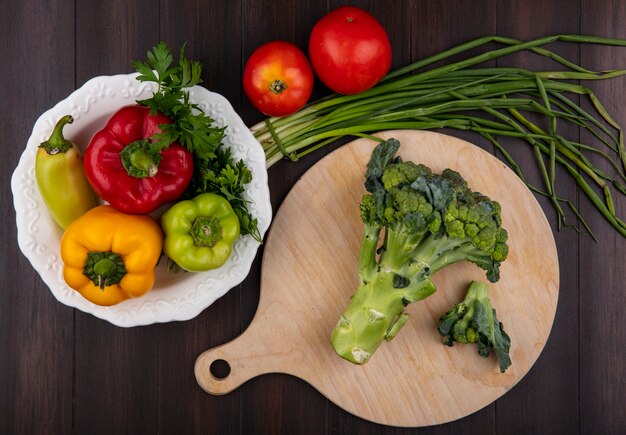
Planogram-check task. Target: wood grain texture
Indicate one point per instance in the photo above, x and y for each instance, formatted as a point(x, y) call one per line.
point(309, 273)
point(556, 372)
point(603, 361)
point(62, 371)
point(36, 332)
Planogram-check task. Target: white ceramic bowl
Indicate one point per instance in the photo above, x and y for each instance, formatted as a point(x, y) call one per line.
point(179, 296)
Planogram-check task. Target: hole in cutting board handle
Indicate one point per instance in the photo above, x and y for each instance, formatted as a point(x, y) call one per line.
point(220, 369)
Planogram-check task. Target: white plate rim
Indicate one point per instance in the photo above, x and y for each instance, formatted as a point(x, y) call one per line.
point(39, 238)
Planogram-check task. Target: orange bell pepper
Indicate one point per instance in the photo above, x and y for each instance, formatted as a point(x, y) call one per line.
point(109, 256)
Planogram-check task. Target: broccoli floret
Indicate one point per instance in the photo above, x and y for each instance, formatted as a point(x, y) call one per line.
point(475, 321)
point(426, 221)
point(403, 173)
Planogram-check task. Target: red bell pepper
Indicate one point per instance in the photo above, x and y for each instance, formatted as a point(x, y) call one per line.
point(123, 169)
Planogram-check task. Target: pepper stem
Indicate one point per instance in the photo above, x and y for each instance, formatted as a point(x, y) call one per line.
point(206, 231)
point(104, 268)
point(57, 143)
point(140, 160)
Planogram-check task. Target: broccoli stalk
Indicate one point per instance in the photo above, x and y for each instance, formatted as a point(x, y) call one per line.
point(427, 221)
point(475, 321)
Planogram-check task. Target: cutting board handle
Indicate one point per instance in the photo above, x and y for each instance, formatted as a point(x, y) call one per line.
point(245, 358)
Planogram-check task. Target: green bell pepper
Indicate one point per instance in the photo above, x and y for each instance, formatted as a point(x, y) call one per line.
point(200, 232)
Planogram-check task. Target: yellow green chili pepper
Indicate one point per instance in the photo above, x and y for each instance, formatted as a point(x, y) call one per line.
point(60, 177)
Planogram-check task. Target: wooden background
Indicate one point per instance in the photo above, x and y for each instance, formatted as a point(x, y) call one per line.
point(63, 371)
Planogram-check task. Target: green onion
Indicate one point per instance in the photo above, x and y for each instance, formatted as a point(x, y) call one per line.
point(493, 102)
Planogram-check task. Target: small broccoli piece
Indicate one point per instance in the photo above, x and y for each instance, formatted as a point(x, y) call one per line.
point(475, 321)
point(427, 221)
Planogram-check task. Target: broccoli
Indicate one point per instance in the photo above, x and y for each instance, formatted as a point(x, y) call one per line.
point(427, 221)
point(475, 321)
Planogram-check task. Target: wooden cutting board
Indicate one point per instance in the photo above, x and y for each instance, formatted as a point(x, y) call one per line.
point(310, 270)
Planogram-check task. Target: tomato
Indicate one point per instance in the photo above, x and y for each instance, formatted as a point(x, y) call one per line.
point(278, 78)
point(349, 50)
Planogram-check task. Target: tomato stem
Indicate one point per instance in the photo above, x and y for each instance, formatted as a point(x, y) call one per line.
point(278, 86)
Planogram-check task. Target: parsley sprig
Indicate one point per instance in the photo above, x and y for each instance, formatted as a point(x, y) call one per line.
point(221, 175)
point(215, 170)
point(191, 127)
